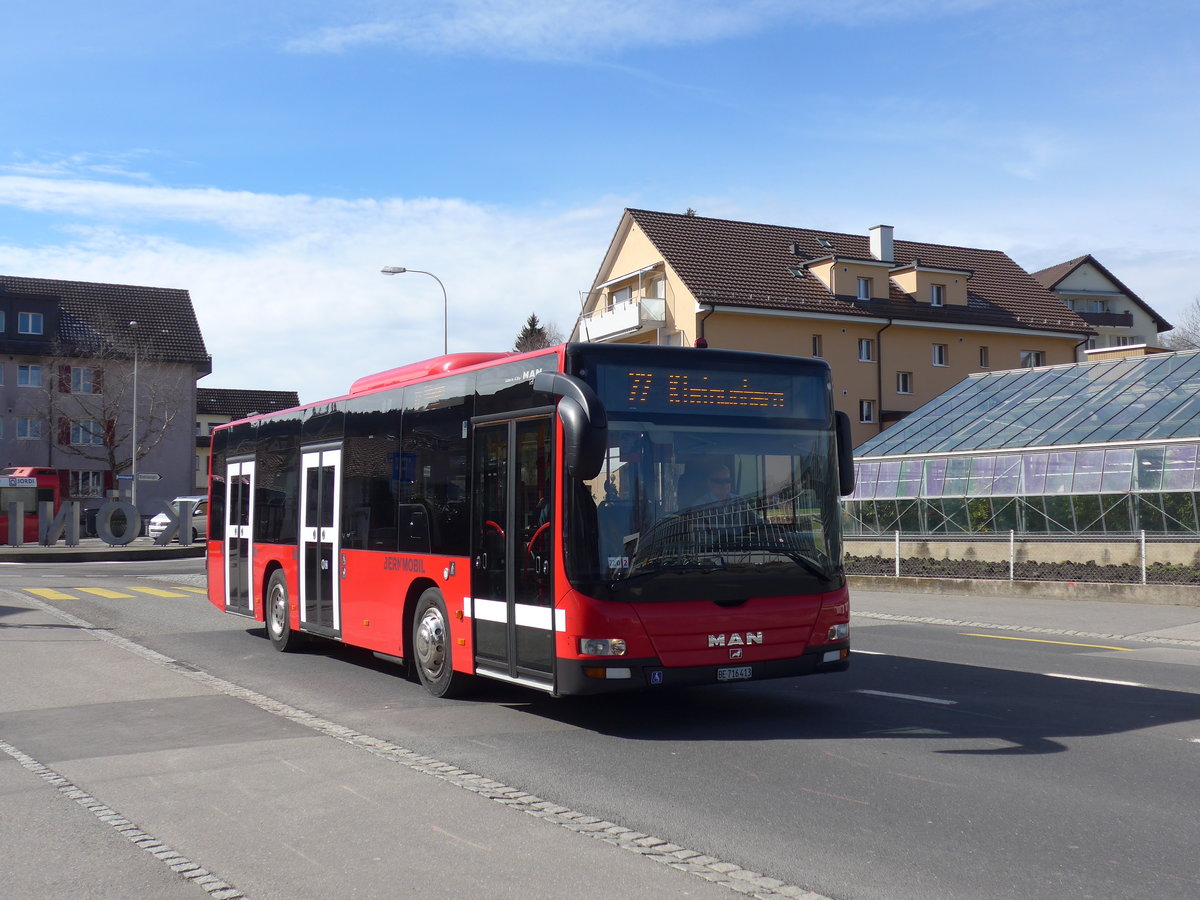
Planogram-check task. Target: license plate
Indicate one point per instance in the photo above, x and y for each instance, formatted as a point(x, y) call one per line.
point(734, 673)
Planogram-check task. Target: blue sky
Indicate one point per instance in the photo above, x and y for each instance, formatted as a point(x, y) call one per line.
point(271, 157)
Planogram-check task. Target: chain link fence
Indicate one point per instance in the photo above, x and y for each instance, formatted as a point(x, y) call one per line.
point(1112, 559)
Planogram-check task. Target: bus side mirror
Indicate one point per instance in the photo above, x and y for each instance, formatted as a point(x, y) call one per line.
point(845, 453)
point(584, 421)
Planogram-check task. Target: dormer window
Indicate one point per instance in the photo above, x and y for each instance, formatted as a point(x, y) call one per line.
point(864, 288)
point(30, 323)
point(937, 295)
point(825, 242)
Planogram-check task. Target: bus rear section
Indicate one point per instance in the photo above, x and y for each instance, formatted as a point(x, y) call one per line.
point(29, 486)
point(591, 519)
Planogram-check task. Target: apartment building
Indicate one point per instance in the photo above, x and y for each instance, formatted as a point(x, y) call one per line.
point(899, 321)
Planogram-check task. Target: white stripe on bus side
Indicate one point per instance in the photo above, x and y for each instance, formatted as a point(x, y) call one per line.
point(541, 617)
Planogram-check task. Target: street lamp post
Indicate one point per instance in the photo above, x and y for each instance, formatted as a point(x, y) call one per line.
point(134, 432)
point(400, 270)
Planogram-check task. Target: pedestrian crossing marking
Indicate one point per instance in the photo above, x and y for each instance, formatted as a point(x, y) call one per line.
point(50, 594)
point(106, 593)
point(156, 592)
point(192, 590)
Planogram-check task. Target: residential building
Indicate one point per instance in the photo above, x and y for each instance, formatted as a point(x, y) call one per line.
point(216, 406)
point(1106, 447)
point(88, 370)
point(1119, 317)
point(898, 321)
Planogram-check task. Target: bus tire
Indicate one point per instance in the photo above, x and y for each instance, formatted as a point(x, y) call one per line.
point(278, 614)
point(431, 645)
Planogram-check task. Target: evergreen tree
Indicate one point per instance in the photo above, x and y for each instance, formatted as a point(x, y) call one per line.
point(535, 336)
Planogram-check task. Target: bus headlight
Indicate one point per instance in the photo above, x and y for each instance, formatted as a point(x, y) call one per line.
point(839, 632)
point(601, 647)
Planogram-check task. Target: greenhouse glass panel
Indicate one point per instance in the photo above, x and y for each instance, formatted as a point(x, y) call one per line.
point(1180, 512)
point(864, 480)
point(889, 474)
point(1148, 468)
point(888, 518)
point(1004, 515)
point(1149, 512)
point(1183, 421)
point(1059, 516)
point(1033, 472)
point(1116, 514)
point(1118, 470)
point(910, 478)
point(1059, 472)
point(1087, 514)
point(1032, 513)
point(957, 470)
point(1179, 473)
point(935, 477)
point(910, 517)
point(1007, 479)
point(983, 469)
point(1089, 465)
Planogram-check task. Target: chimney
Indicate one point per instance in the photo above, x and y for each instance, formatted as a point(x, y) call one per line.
point(881, 243)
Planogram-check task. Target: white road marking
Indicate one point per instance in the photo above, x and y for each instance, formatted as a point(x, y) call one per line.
point(1096, 680)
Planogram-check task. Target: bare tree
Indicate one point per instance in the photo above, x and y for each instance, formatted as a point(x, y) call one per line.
point(1186, 333)
point(89, 404)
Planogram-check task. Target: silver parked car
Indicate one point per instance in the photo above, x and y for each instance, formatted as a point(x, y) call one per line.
point(199, 506)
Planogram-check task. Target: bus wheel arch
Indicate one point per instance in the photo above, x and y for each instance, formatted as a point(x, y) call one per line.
point(431, 640)
point(277, 613)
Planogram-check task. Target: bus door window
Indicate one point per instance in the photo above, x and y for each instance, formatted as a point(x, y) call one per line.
point(319, 582)
point(239, 544)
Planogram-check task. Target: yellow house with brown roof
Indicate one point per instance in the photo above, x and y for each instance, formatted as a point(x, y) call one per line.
point(898, 321)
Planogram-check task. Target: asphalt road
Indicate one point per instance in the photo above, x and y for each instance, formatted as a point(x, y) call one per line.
point(1016, 749)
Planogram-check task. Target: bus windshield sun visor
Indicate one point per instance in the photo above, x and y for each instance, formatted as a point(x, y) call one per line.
point(585, 423)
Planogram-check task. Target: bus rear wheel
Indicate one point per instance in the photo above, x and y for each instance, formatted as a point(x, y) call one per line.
point(431, 647)
point(278, 614)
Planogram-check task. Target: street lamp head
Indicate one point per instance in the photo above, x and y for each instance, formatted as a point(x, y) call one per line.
point(393, 270)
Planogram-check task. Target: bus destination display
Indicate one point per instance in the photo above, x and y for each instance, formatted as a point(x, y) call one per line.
point(716, 392)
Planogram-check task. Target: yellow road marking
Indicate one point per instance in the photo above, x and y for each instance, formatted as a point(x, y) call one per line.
point(156, 592)
point(106, 593)
point(1001, 637)
point(50, 594)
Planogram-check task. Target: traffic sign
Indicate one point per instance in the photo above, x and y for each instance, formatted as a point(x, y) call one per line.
point(148, 476)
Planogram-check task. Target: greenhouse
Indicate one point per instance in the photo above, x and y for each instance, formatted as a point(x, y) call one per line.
point(1102, 447)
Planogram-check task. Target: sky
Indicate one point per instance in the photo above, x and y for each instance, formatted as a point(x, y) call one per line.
point(271, 157)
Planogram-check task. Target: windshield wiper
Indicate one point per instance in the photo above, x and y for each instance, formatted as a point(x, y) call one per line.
point(676, 569)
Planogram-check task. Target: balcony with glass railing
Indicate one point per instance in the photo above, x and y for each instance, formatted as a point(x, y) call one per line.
point(637, 315)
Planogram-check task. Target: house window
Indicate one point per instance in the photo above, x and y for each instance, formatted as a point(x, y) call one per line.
point(817, 351)
point(29, 323)
point(1125, 341)
point(941, 355)
point(904, 382)
point(866, 411)
point(624, 295)
point(983, 358)
point(866, 350)
point(89, 431)
point(864, 288)
point(86, 484)
point(1031, 359)
point(84, 381)
point(1097, 306)
point(29, 376)
point(3, 323)
point(29, 428)
point(937, 294)
point(1070, 302)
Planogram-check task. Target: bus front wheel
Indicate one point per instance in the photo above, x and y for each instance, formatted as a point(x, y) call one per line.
point(431, 647)
point(279, 624)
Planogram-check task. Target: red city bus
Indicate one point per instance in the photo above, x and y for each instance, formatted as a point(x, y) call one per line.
point(30, 485)
point(585, 519)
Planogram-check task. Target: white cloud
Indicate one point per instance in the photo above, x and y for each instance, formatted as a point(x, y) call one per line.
point(297, 300)
point(561, 29)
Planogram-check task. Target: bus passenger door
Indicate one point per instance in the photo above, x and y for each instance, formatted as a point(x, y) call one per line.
point(320, 546)
point(239, 538)
point(512, 551)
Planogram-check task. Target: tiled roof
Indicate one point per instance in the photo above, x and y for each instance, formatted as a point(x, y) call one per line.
point(96, 316)
point(1051, 276)
point(747, 264)
point(240, 404)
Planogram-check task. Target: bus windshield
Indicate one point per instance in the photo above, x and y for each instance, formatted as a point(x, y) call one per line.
point(750, 510)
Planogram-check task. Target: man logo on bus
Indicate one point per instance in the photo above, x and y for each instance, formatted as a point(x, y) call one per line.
point(736, 639)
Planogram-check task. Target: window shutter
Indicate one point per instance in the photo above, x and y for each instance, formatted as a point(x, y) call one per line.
point(110, 432)
point(97, 381)
point(64, 430)
point(64, 379)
